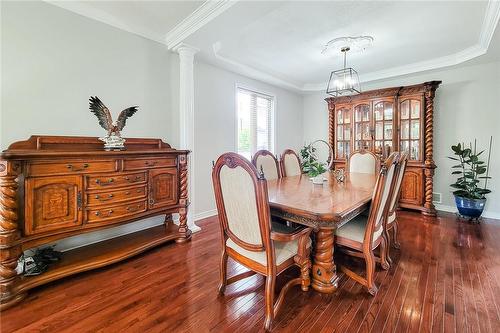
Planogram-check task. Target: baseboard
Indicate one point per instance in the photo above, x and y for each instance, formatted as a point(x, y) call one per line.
point(453, 209)
point(204, 215)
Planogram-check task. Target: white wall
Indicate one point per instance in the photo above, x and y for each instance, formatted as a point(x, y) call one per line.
point(53, 60)
point(215, 123)
point(466, 107)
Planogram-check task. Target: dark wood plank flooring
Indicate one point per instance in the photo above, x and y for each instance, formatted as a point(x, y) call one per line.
point(445, 278)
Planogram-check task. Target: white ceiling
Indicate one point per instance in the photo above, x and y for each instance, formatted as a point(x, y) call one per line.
point(281, 41)
point(150, 19)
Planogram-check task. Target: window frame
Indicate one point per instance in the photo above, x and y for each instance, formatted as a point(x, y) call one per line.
point(273, 136)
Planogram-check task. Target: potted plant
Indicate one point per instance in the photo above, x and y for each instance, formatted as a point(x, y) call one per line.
point(316, 171)
point(311, 165)
point(471, 171)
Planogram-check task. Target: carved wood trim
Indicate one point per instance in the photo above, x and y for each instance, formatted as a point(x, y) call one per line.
point(10, 250)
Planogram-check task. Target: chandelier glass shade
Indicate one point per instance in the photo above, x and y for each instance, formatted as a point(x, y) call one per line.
point(344, 81)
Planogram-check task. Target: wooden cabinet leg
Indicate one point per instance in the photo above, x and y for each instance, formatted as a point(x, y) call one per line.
point(10, 251)
point(324, 273)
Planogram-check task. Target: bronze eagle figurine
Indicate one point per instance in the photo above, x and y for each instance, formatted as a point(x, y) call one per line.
point(102, 113)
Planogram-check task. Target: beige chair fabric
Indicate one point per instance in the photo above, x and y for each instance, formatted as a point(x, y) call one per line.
point(363, 163)
point(355, 229)
point(282, 250)
point(391, 218)
point(238, 193)
point(268, 165)
point(397, 188)
point(292, 165)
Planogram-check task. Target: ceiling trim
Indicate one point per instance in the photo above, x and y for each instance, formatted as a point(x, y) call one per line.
point(208, 11)
point(252, 72)
point(490, 22)
point(84, 9)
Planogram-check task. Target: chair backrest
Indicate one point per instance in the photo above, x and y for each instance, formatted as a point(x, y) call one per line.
point(381, 199)
point(290, 164)
point(242, 204)
point(400, 171)
point(363, 161)
point(265, 160)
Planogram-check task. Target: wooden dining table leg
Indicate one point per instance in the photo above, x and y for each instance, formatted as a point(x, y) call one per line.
point(324, 273)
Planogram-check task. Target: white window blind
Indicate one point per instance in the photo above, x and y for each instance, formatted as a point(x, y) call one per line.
point(255, 122)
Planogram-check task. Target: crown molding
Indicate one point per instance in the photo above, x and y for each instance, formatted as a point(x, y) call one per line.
point(208, 11)
point(83, 9)
point(252, 72)
point(490, 22)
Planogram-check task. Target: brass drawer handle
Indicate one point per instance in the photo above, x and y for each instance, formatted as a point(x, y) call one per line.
point(136, 179)
point(108, 182)
point(109, 212)
point(72, 167)
point(110, 196)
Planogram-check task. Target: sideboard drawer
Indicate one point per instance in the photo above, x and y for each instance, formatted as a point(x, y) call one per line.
point(69, 167)
point(119, 195)
point(115, 180)
point(101, 214)
point(142, 163)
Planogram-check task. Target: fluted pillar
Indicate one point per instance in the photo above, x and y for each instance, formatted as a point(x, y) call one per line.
point(186, 119)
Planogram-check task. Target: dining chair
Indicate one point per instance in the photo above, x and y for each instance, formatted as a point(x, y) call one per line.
point(264, 160)
point(290, 164)
point(363, 234)
point(250, 237)
point(392, 223)
point(363, 161)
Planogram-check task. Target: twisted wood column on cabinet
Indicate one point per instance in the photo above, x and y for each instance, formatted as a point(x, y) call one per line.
point(429, 162)
point(324, 272)
point(185, 233)
point(331, 129)
point(10, 250)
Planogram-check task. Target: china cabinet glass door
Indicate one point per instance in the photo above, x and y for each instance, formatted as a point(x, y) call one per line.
point(410, 118)
point(362, 127)
point(383, 119)
point(343, 133)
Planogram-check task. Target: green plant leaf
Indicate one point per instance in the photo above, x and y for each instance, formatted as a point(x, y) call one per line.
point(453, 158)
point(456, 172)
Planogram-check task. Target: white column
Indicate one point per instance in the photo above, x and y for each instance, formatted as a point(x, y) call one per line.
point(186, 119)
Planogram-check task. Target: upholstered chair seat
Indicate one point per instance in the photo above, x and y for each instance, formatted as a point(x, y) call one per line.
point(250, 237)
point(364, 233)
point(355, 230)
point(282, 250)
point(391, 218)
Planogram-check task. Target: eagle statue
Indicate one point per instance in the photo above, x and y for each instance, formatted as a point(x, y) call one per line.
point(113, 140)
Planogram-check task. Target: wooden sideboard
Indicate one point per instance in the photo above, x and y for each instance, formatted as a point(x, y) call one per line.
point(386, 120)
point(54, 187)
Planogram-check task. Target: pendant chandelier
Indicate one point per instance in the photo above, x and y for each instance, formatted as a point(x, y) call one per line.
point(345, 81)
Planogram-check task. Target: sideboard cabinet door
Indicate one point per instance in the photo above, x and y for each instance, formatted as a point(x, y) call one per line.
point(53, 203)
point(163, 187)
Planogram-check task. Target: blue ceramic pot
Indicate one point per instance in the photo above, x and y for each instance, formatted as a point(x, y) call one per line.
point(472, 208)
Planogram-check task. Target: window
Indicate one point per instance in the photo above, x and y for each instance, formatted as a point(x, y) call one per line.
point(255, 122)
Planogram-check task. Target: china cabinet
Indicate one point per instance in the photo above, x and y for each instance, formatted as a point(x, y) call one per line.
point(387, 120)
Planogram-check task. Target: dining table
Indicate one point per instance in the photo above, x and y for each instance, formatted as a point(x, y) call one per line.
point(324, 207)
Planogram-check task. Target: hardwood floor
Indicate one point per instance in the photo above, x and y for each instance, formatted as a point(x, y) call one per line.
point(446, 277)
